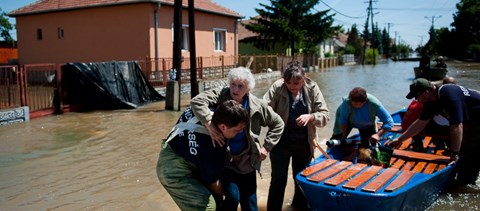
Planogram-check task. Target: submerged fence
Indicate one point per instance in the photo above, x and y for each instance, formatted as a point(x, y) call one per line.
point(38, 86)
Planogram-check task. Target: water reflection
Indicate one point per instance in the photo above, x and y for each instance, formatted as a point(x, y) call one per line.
point(106, 159)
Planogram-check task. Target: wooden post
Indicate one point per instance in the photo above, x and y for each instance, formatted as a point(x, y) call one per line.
point(193, 56)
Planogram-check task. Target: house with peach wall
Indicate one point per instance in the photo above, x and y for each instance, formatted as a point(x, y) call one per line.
point(60, 31)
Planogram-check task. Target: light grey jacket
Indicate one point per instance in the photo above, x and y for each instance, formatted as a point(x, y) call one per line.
point(261, 115)
point(277, 97)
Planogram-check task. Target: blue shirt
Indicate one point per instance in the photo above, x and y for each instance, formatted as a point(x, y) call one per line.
point(362, 119)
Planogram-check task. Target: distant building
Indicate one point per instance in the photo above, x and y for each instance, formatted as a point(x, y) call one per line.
point(8, 52)
point(59, 31)
point(332, 45)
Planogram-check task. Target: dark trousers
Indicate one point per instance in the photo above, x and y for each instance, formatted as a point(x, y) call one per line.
point(239, 189)
point(365, 135)
point(468, 167)
point(299, 151)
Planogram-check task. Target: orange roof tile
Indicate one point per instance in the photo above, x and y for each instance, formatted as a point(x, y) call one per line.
point(244, 32)
point(45, 6)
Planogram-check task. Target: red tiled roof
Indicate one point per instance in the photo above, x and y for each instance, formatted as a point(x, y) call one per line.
point(45, 6)
point(342, 38)
point(244, 32)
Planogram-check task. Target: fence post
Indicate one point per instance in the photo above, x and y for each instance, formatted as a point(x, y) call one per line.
point(164, 73)
point(23, 76)
point(223, 66)
point(57, 89)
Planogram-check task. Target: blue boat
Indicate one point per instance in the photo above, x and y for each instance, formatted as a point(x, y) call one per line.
point(412, 180)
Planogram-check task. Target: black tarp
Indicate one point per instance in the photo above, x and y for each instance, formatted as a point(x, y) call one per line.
point(106, 85)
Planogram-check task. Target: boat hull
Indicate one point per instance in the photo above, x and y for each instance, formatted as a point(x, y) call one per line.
point(418, 194)
point(435, 73)
point(430, 174)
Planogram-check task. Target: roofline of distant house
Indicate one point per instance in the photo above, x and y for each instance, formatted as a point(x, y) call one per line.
point(116, 4)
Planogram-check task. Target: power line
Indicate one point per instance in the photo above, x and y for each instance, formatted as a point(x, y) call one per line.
point(348, 16)
point(433, 19)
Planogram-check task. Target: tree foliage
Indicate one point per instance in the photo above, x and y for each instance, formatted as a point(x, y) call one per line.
point(355, 41)
point(467, 23)
point(292, 22)
point(463, 39)
point(386, 43)
point(5, 27)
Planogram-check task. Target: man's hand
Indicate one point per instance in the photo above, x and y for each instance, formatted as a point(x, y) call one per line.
point(375, 138)
point(395, 143)
point(454, 156)
point(304, 119)
point(263, 153)
point(216, 189)
point(215, 134)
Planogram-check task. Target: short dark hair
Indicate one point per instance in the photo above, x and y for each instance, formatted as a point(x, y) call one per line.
point(358, 94)
point(294, 71)
point(231, 113)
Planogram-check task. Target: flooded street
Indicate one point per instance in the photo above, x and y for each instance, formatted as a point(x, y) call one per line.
point(105, 160)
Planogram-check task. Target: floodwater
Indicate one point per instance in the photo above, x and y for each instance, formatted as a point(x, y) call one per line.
point(105, 160)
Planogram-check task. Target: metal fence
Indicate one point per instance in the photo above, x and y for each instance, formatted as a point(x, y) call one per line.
point(38, 85)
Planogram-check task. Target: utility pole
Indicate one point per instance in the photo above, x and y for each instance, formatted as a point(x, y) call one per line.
point(173, 86)
point(193, 55)
point(433, 19)
point(431, 40)
point(389, 46)
point(370, 13)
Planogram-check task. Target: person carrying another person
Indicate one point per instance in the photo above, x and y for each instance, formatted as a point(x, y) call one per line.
point(359, 110)
point(461, 107)
point(189, 166)
point(301, 105)
point(245, 152)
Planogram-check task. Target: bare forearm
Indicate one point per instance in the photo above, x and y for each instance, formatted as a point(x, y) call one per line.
point(456, 134)
point(414, 129)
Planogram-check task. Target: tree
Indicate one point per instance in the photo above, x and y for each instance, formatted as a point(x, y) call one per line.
point(292, 22)
point(5, 27)
point(355, 41)
point(386, 43)
point(466, 22)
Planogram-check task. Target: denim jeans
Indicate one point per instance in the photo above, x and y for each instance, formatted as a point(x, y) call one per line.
point(179, 177)
point(239, 189)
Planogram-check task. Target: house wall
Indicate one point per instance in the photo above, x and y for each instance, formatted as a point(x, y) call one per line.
point(205, 23)
point(90, 35)
point(124, 32)
point(8, 54)
point(326, 47)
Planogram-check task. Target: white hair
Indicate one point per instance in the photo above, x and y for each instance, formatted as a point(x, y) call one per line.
point(242, 73)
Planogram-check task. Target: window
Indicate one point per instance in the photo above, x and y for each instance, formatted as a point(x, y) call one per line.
point(184, 38)
point(39, 34)
point(60, 32)
point(219, 39)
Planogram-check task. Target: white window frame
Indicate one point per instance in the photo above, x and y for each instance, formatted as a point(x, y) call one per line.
point(219, 39)
point(184, 36)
